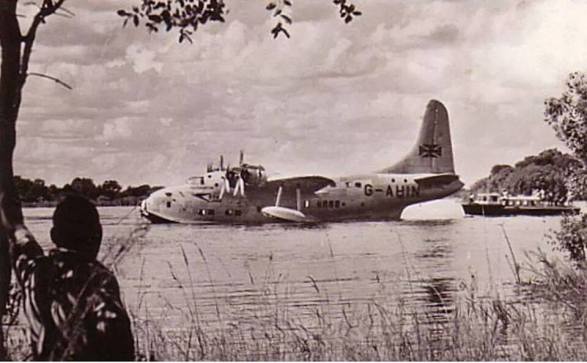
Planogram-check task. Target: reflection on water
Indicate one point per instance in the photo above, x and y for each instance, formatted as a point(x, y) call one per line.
point(237, 275)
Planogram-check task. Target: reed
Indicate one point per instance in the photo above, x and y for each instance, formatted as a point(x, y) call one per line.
point(375, 330)
point(546, 321)
point(381, 328)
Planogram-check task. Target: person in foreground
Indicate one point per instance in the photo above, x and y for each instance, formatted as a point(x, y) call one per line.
point(71, 301)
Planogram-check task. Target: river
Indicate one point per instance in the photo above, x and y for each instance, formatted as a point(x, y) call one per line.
point(228, 273)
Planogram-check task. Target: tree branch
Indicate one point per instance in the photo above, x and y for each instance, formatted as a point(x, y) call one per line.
point(57, 80)
point(48, 8)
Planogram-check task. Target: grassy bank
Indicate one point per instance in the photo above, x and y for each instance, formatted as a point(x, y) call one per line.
point(489, 330)
point(544, 319)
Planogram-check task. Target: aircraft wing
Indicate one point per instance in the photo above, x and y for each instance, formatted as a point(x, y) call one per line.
point(306, 184)
point(289, 206)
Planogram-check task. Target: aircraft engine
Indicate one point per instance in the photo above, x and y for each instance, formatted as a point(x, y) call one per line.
point(253, 174)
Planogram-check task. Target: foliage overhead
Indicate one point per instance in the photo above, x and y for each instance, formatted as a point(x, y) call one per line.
point(188, 15)
point(568, 115)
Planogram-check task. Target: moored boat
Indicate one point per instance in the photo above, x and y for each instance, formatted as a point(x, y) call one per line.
point(495, 204)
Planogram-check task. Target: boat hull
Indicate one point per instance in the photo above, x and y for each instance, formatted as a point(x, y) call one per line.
point(501, 210)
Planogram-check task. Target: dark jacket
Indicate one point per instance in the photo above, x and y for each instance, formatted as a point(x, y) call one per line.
point(73, 306)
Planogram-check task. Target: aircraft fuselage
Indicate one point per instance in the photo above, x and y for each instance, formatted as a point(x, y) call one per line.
point(359, 197)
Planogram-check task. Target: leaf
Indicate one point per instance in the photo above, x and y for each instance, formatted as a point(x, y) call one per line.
point(271, 6)
point(286, 18)
point(277, 29)
point(135, 20)
point(122, 13)
point(155, 18)
point(287, 2)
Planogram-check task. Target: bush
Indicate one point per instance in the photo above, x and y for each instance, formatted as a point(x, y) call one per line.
point(571, 239)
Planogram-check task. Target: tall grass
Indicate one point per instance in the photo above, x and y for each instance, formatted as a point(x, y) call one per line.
point(545, 321)
point(464, 327)
point(375, 330)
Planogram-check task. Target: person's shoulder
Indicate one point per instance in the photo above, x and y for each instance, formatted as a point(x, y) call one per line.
point(30, 264)
point(105, 276)
point(98, 267)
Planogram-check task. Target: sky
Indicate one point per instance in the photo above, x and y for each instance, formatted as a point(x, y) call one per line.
point(334, 99)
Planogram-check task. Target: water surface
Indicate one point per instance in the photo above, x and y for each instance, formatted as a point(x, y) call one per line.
point(228, 274)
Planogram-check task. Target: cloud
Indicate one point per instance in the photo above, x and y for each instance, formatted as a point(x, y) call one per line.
point(332, 99)
point(142, 59)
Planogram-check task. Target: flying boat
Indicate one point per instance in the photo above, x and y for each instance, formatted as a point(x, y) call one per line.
point(243, 194)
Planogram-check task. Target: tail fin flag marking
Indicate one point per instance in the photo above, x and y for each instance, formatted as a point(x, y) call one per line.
point(430, 151)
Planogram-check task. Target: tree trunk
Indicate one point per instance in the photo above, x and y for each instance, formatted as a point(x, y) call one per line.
point(10, 91)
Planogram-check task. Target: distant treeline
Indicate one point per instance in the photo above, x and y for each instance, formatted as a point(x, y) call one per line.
point(546, 171)
point(36, 193)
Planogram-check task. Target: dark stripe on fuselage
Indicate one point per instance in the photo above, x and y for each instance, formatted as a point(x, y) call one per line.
point(156, 219)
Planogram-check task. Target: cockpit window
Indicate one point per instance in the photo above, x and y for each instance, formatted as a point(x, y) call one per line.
point(196, 180)
point(358, 184)
point(168, 194)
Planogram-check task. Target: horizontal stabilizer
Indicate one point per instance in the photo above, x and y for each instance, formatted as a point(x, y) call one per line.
point(439, 179)
point(286, 214)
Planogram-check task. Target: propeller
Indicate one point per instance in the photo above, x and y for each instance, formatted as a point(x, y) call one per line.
point(278, 199)
point(240, 185)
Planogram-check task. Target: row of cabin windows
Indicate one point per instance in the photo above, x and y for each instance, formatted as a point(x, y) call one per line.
point(330, 204)
point(520, 202)
point(206, 212)
point(233, 212)
point(211, 212)
point(228, 212)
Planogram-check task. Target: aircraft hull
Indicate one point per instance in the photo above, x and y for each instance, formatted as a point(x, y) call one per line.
point(181, 206)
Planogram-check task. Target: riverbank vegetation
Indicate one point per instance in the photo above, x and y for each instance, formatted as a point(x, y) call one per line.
point(35, 193)
point(548, 171)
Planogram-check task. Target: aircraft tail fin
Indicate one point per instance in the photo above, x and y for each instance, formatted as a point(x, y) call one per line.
point(433, 150)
